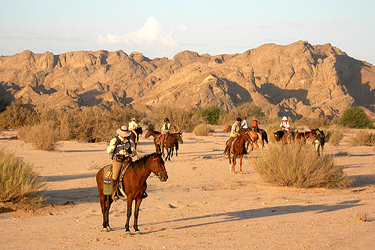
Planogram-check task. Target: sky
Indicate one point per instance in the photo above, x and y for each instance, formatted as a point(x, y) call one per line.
point(164, 28)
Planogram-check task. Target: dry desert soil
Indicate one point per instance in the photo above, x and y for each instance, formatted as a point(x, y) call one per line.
point(201, 206)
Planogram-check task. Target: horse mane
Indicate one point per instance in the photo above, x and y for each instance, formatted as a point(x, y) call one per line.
point(142, 160)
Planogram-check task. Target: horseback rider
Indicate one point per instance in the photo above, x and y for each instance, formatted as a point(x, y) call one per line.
point(284, 125)
point(132, 127)
point(165, 129)
point(244, 123)
point(122, 150)
point(255, 125)
point(234, 133)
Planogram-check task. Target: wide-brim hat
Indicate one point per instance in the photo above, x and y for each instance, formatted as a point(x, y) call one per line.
point(123, 131)
point(285, 118)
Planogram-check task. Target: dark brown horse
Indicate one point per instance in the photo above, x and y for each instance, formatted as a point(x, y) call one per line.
point(263, 137)
point(135, 138)
point(238, 147)
point(157, 139)
point(171, 141)
point(134, 182)
point(285, 138)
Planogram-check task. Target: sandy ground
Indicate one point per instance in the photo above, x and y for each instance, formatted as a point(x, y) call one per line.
point(201, 206)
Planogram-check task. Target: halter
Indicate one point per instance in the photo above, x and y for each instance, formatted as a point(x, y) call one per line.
point(158, 174)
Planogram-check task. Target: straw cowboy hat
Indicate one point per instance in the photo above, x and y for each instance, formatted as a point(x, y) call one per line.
point(123, 131)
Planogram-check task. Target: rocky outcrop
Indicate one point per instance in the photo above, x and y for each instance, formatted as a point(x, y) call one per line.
point(298, 80)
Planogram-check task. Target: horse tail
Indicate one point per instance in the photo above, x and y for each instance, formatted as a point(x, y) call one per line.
point(265, 136)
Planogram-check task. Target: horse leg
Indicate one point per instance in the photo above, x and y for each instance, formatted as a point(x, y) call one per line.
point(230, 162)
point(128, 214)
point(256, 144)
point(241, 163)
point(234, 163)
point(136, 213)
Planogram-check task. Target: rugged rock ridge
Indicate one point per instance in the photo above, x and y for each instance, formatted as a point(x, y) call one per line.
point(298, 80)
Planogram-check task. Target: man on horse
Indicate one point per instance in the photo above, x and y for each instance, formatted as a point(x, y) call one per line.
point(121, 149)
point(235, 131)
point(255, 125)
point(284, 125)
point(165, 129)
point(132, 127)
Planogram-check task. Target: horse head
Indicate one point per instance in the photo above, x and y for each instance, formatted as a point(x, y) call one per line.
point(278, 135)
point(158, 167)
point(148, 134)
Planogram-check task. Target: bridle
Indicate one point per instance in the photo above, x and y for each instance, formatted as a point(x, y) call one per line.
point(158, 174)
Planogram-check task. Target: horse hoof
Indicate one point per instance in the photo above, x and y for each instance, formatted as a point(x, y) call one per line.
point(137, 232)
point(128, 233)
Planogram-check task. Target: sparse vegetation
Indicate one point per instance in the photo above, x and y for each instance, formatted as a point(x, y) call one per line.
point(248, 110)
point(17, 115)
point(202, 129)
point(18, 183)
point(362, 138)
point(43, 136)
point(211, 114)
point(299, 166)
point(334, 136)
point(355, 117)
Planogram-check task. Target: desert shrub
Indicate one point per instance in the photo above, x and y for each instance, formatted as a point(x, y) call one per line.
point(43, 136)
point(248, 110)
point(272, 127)
point(313, 123)
point(334, 136)
point(17, 115)
point(210, 114)
point(181, 119)
point(362, 138)
point(355, 117)
point(17, 181)
point(94, 124)
point(299, 166)
point(202, 129)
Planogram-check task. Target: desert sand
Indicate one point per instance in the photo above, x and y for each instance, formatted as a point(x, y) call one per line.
point(201, 206)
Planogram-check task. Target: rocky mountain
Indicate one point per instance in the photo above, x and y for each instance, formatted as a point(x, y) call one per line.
point(298, 80)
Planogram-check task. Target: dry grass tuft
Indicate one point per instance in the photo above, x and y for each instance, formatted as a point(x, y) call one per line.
point(43, 136)
point(18, 183)
point(362, 138)
point(334, 136)
point(202, 130)
point(299, 166)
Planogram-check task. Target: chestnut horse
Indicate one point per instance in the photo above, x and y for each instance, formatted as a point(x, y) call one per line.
point(238, 147)
point(157, 139)
point(134, 182)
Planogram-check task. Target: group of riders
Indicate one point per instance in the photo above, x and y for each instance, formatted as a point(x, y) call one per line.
point(239, 125)
point(122, 148)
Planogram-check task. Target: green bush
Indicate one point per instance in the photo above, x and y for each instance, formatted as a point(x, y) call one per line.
point(355, 117)
point(202, 129)
point(211, 114)
point(18, 183)
point(298, 165)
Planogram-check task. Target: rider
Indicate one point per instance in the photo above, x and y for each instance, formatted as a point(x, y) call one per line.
point(235, 131)
point(255, 125)
point(244, 123)
point(165, 129)
point(132, 127)
point(284, 125)
point(121, 149)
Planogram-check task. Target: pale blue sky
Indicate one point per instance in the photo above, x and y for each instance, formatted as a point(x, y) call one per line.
point(164, 28)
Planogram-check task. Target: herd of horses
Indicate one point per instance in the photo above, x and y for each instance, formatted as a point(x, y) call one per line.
point(134, 178)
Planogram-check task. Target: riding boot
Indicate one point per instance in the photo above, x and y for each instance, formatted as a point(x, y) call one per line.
point(226, 150)
point(114, 191)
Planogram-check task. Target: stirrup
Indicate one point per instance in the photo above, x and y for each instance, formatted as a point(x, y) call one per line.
point(144, 195)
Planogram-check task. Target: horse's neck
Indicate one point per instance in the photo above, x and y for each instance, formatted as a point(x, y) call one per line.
point(141, 170)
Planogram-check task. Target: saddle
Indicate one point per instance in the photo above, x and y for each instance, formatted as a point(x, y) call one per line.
point(108, 171)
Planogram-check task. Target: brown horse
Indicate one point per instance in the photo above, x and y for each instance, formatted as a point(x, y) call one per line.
point(134, 182)
point(157, 139)
point(285, 138)
point(171, 141)
point(238, 147)
point(135, 138)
